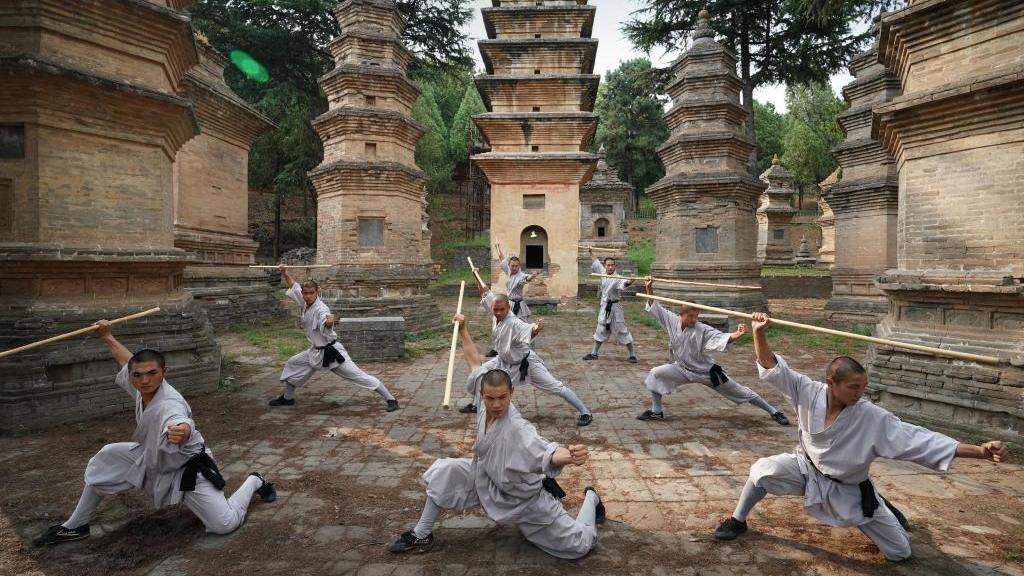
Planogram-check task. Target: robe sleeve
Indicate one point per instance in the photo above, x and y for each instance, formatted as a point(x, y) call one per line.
point(174, 413)
point(788, 381)
point(295, 293)
point(523, 332)
point(596, 266)
point(533, 456)
point(715, 340)
point(664, 317)
point(123, 381)
point(899, 440)
point(486, 300)
point(504, 266)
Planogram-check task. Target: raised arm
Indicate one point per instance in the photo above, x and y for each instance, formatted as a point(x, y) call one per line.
point(596, 267)
point(286, 278)
point(762, 350)
point(121, 354)
point(469, 349)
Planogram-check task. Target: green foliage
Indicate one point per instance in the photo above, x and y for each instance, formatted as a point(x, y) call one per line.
point(771, 129)
point(635, 314)
point(456, 276)
point(463, 130)
point(448, 97)
point(642, 255)
point(432, 149)
point(279, 337)
point(811, 132)
point(631, 107)
point(784, 338)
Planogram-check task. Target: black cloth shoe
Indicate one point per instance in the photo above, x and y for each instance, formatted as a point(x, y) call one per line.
point(468, 409)
point(492, 353)
point(590, 357)
point(730, 529)
point(282, 401)
point(780, 418)
point(648, 415)
point(599, 512)
point(632, 360)
point(266, 490)
point(392, 405)
point(584, 420)
point(408, 541)
point(57, 534)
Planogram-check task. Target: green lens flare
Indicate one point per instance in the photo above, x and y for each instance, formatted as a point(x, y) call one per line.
point(249, 66)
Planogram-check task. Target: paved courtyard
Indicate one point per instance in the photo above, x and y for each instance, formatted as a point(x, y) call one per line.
point(347, 477)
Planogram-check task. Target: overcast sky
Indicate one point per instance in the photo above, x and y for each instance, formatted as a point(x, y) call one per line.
point(613, 48)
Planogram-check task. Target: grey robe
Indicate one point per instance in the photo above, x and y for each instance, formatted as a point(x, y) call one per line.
point(610, 292)
point(300, 367)
point(152, 463)
point(514, 287)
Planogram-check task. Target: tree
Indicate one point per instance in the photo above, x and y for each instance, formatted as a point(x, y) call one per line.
point(775, 40)
point(432, 149)
point(632, 122)
point(771, 130)
point(811, 133)
point(463, 131)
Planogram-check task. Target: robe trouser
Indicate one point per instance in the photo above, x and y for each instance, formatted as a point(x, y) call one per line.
point(780, 475)
point(538, 376)
point(666, 378)
point(298, 370)
point(618, 329)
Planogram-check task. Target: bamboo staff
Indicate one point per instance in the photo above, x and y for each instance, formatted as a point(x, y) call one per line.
point(871, 339)
point(78, 332)
point(599, 249)
point(686, 282)
point(451, 354)
point(475, 273)
point(297, 266)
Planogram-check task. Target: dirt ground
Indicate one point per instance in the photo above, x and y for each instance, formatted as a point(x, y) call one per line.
point(347, 476)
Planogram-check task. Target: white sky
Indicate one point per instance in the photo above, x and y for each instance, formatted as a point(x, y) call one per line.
point(613, 48)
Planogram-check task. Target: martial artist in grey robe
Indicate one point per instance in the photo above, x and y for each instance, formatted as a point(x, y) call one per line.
point(610, 318)
point(511, 337)
point(691, 364)
point(300, 367)
point(514, 287)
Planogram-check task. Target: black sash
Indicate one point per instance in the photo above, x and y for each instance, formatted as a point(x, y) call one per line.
point(524, 367)
point(868, 502)
point(516, 307)
point(200, 464)
point(718, 376)
point(331, 354)
point(551, 486)
point(608, 314)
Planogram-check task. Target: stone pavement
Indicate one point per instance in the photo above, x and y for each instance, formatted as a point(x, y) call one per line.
point(347, 478)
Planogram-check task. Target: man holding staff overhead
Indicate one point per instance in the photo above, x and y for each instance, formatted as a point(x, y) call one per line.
point(325, 352)
point(610, 319)
point(689, 341)
point(514, 286)
point(510, 476)
point(512, 338)
point(167, 457)
point(841, 434)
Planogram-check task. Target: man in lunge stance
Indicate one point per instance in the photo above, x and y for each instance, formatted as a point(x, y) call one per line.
point(167, 457)
point(610, 319)
point(689, 342)
point(514, 286)
point(511, 337)
point(325, 352)
point(511, 475)
point(841, 433)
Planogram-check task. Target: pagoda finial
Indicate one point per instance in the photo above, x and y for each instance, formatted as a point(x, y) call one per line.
point(703, 27)
point(775, 160)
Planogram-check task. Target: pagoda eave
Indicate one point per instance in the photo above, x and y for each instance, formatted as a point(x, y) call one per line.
point(497, 19)
point(555, 168)
point(532, 53)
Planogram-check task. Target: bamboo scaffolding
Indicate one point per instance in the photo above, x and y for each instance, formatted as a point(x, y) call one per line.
point(821, 330)
point(446, 403)
point(78, 332)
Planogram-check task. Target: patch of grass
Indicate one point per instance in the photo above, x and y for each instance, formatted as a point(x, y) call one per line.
point(787, 338)
point(279, 337)
point(455, 276)
point(794, 271)
point(642, 255)
point(441, 339)
point(229, 366)
point(635, 315)
point(543, 311)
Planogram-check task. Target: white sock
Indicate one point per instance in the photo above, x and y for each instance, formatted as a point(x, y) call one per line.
point(588, 510)
point(87, 504)
point(289, 391)
point(427, 520)
point(750, 496)
point(656, 403)
point(760, 403)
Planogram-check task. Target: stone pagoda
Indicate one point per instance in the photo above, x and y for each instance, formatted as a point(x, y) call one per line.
point(774, 215)
point(957, 135)
point(211, 197)
point(370, 192)
point(539, 90)
point(90, 125)
point(707, 230)
point(864, 202)
point(827, 221)
point(603, 203)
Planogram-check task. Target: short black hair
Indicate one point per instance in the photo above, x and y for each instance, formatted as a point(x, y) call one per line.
point(147, 355)
point(842, 367)
point(607, 258)
point(310, 284)
point(516, 258)
point(496, 378)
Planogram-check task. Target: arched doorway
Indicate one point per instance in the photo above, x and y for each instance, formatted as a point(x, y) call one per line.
point(602, 228)
point(534, 244)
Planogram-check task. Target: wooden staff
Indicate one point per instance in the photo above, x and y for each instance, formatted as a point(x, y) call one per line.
point(819, 329)
point(687, 282)
point(78, 332)
point(297, 266)
point(475, 273)
point(599, 249)
point(451, 354)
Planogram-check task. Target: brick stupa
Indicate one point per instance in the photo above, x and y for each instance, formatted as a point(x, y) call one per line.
point(370, 192)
